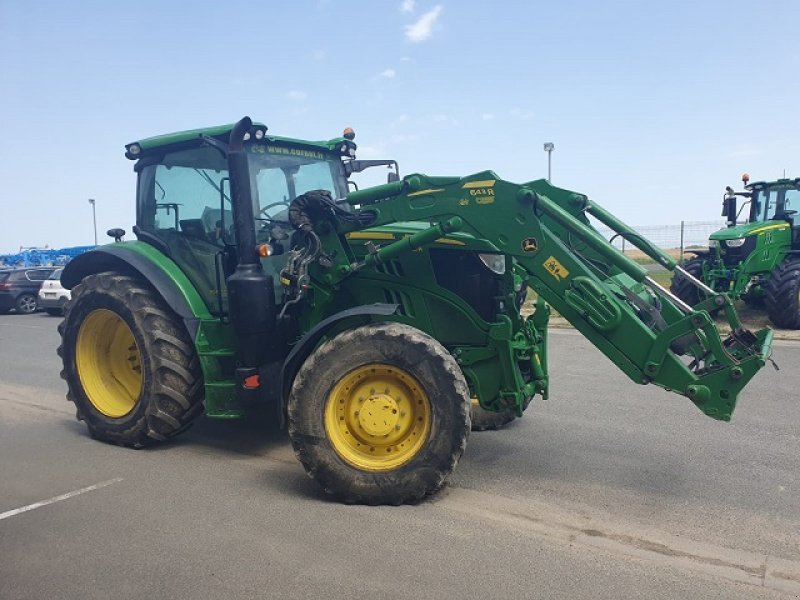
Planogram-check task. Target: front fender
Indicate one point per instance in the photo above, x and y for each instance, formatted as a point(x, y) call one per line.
point(302, 349)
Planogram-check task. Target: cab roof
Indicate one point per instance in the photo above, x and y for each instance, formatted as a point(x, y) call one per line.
point(222, 132)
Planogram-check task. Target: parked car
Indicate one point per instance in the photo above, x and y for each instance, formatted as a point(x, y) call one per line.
point(19, 288)
point(52, 295)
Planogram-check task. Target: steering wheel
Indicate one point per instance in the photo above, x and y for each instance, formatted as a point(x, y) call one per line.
point(264, 210)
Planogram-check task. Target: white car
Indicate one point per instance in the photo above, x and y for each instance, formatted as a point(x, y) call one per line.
point(52, 296)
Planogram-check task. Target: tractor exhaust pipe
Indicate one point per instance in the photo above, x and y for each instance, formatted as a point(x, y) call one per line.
point(251, 295)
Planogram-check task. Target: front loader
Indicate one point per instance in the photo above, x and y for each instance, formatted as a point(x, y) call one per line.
point(369, 321)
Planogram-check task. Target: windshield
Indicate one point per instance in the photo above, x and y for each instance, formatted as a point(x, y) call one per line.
point(281, 173)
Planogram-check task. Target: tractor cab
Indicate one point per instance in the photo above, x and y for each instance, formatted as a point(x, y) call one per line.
point(767, 200)
point(184, 204)
point(775, 201)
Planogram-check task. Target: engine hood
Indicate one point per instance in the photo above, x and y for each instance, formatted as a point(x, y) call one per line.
point(747, 229)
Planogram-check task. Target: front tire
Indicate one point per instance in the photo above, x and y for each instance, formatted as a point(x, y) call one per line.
point(486, 420)
point(682, 287)
point(782, 295)
point(380, 415)
point(130, 366)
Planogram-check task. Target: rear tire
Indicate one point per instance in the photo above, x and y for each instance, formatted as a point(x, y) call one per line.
point(26, 304)
point(682, 287)
point(54, 312)
point(130, 366)
point(380, 415)
point(782, 295)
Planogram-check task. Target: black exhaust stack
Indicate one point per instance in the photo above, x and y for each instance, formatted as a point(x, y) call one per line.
point(251, 296)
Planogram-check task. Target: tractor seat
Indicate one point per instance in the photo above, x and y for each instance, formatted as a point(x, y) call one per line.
point(194, 228)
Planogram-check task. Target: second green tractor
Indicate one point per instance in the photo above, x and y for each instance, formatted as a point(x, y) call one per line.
point(757, 260)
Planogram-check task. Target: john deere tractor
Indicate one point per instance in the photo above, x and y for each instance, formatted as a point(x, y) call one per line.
point(758, 260)
point(366, 321)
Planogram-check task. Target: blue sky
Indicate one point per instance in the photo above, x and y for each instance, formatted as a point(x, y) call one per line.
point(653, 106)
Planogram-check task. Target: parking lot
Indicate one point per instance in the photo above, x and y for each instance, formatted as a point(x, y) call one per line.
point(609, 489)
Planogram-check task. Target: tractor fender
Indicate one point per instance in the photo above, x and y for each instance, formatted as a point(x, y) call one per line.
point(309, 341)
point(119, 258)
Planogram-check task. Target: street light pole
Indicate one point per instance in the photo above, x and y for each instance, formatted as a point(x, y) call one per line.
point(94, 220)
point(549, 147)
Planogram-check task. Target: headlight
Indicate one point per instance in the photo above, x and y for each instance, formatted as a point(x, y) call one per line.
point(735, 243)
point(495, 262)
point(713, 243)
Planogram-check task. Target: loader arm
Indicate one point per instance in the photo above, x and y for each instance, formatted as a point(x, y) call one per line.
point(651, 335)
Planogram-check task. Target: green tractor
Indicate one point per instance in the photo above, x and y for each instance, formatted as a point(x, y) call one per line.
point(367, 321)
point(758, 260)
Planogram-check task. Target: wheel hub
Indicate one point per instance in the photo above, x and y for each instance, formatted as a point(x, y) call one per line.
point(109, 363)
point(379, 415)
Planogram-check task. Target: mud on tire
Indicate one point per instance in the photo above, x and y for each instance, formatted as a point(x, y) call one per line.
point(403, 353)
point(171, 388)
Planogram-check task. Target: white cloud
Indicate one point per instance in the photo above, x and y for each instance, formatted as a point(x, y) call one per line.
point(524, 115)
point(423, 28)
point(447, 120)
point(487, 116)
point(387, 73)
point(402, 138)
point(407, 6)
point(296, 96)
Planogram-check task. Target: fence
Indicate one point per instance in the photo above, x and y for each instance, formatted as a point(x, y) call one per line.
point(680, 236)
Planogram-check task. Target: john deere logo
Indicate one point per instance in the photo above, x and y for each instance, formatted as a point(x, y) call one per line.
point(530, 245)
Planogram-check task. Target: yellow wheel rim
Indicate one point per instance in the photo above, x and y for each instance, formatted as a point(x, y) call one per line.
point(109, 363)
point(377, 417)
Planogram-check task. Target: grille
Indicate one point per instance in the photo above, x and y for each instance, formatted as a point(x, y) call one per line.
point(733, 256)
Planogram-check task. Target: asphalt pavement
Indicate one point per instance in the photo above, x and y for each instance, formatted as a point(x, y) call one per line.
point(607, 490)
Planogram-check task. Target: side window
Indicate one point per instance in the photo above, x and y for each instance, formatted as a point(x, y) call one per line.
point(37, 275)
point(188, 200)
point(183, 194)
point(184, 199)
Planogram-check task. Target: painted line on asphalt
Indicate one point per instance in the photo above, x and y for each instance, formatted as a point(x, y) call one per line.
point(54, 499)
